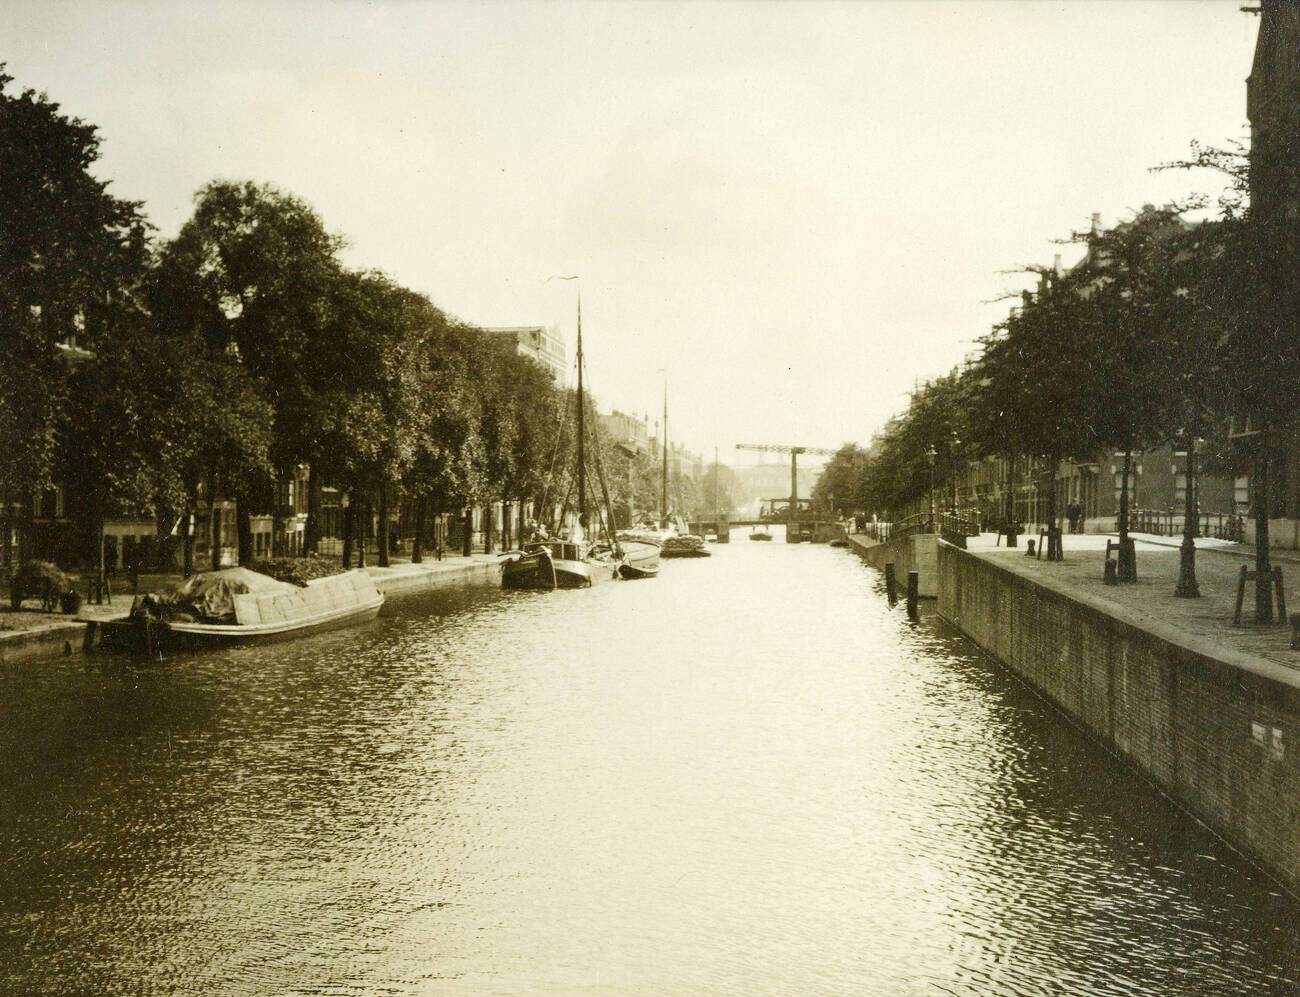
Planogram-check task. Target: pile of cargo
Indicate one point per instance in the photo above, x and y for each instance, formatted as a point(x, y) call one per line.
point(685, 545)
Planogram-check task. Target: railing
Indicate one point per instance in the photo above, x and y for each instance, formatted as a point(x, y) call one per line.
point(918, 523)
point(1223, 526)
point(955, 522)
point(960, 522)
point(878, 531)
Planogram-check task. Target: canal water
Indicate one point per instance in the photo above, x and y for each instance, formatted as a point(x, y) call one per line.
point(746, 777)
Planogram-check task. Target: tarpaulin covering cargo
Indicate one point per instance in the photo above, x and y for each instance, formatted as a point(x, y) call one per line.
point(208, 597)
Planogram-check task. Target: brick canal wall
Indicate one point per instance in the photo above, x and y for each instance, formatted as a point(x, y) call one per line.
point(917, 552)
point(1217, 730)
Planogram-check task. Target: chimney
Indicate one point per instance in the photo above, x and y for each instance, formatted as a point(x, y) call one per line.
point(1096, 222)
point(1056, 264)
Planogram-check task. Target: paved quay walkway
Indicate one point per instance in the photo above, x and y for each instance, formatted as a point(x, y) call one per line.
point(1204, 624)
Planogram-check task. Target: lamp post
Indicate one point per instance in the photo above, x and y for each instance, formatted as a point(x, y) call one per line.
point(930, 455)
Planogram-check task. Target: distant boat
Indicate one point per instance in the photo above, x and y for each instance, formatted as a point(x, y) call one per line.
point(650, 534)
point(760, 533)
point(686, 545)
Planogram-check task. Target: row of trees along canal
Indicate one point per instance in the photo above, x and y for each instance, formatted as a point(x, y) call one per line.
point(1167, 332)
point(240, 350)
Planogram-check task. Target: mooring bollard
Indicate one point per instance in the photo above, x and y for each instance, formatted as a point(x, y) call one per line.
point(891, 586)
point(913, 593)
point(1295, 631)
point(1029, 548)
point(1109, 575)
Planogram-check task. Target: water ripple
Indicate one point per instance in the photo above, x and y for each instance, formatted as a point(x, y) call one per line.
point(748, 777)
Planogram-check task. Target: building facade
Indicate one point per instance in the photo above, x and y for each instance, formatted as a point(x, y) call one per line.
point(541, 343)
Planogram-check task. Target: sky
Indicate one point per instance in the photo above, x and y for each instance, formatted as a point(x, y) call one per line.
point(796, 211)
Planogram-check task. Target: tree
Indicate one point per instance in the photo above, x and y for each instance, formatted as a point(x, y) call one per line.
point(252, 273)
point(161, 416)
point(1251, 292)
point(842, 483)
point(1194, 398)
point(926, 445)
point(1127, 384)
point(71, 257)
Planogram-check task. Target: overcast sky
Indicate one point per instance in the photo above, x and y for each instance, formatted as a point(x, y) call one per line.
point(797, 210)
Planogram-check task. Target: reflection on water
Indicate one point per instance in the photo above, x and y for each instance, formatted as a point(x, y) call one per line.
point(745, 777)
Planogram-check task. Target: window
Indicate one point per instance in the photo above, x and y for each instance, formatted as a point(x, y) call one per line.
point(1241, 491)
point(1132, 485)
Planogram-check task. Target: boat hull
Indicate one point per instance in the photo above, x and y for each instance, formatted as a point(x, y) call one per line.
point(544, 571)
point(640, 559)
point(532, 571)
point(582, 574)
point(144, 635)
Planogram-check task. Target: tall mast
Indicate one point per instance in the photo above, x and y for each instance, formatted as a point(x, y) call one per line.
point(717, 525)
point(663, 492)
point(582, 477)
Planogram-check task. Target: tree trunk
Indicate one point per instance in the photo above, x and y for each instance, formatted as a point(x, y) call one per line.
point(349, 529)
point(363, 529)
point(383, 522)
point(1187, 587)
point(1263, 566)
point(1123, 495)
point(277, 525)
point(26, 531)
point(1050, 474)
point(487, 528)
point(417, 542)
point(1054, 552)
point(6, 526)
point(244, 527)
point(1127, 561)
point(1011, 490)
point(187, 536)
point(522, 525)
point(214, 525)
point(312, 528)
point(505, 525)
point(105, 594)
point(468, 542)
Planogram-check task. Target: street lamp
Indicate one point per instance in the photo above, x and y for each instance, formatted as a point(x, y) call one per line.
point(954, 445)
point(930, 455)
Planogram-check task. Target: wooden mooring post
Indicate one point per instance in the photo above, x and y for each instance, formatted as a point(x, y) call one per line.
point(913, 594)
point(891, 584)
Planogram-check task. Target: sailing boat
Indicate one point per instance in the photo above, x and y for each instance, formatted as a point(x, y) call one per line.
point(637, 558)
point(569, 563)
point(660, 532)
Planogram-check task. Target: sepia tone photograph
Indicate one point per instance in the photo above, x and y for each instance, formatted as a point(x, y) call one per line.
point(649, 499)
